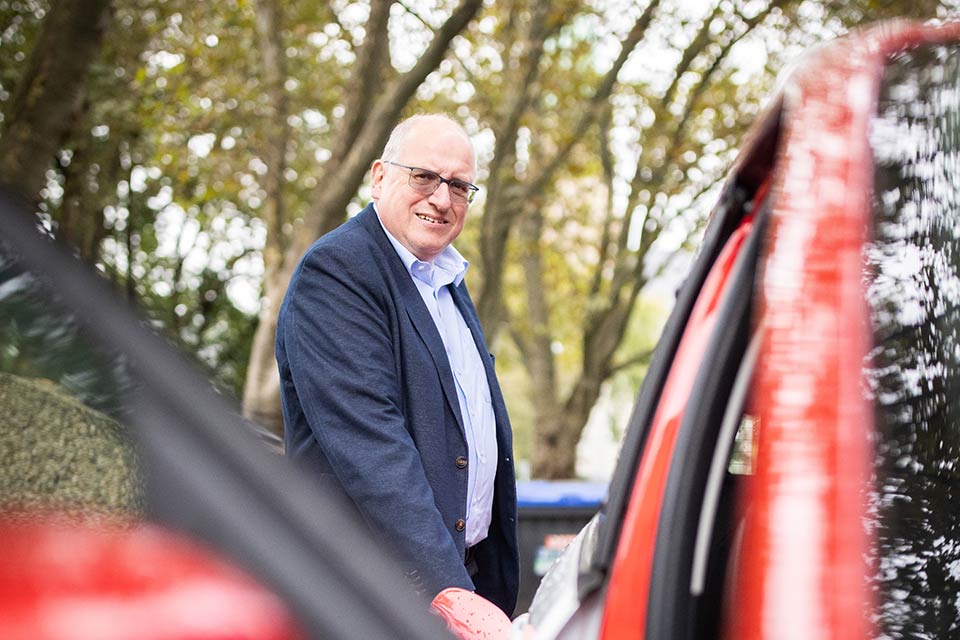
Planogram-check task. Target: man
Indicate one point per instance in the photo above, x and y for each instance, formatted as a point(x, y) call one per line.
point(389, 391)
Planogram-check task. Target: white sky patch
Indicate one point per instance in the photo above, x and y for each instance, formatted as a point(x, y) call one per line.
point(163, 198)
point(748, 57)
point(167, 225)
point(201, 144)
point(138, 179)
point(164, 60)
point(244, 288)
point(314, 119)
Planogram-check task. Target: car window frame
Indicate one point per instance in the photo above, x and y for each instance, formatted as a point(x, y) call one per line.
point(672, 608)
point(209, 475)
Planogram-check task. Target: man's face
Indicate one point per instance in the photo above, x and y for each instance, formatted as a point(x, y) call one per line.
point(424, 224)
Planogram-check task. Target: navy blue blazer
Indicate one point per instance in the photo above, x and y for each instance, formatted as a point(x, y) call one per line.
point(370, 406)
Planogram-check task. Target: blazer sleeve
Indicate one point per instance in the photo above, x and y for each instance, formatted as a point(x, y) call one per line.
point(342, 362)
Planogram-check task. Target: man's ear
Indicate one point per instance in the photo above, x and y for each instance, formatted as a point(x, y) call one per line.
point(376, 178)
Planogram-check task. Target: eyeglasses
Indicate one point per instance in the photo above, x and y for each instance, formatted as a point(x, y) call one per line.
point(426, 182)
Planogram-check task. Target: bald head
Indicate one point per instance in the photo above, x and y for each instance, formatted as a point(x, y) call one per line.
point(419, 183)
point(420, 122)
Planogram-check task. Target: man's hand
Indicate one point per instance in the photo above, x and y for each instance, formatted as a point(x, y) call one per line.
point(469, 616)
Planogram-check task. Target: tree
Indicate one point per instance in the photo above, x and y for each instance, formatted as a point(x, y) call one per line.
point(521, 202)
point(215, 141)
point(688, 127)
point(380, 99)
point(48, 93)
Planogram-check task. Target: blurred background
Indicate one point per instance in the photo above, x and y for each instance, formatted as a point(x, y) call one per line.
point(191, 151)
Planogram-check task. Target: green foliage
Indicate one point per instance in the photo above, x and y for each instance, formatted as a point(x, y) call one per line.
point(59, 454)
point(19, 22)
point(162, 182)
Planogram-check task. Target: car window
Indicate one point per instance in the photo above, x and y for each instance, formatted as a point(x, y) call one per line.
point(913, 372)
point(743, 457)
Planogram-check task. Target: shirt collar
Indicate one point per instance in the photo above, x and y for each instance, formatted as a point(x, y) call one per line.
point(450, 261)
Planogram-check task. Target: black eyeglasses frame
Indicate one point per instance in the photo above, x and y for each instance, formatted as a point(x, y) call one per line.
point(472, 189)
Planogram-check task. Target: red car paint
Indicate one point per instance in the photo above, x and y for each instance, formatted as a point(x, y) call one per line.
point(625, 609)
point(806, 503)
point(64, 581)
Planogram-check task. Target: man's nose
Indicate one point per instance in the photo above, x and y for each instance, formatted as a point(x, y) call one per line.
point(441, 197)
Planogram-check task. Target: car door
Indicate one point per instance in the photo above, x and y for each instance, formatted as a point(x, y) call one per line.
point(850, 528)
point(835, 531)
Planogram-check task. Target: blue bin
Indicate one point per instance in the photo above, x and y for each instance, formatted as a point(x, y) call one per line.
point(551, 513)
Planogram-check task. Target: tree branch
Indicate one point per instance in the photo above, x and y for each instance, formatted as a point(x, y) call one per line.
point(638, 358)
point(367, 75)
point(606, 162)
point(345, 174)
point(49, 92)
point(598, 101)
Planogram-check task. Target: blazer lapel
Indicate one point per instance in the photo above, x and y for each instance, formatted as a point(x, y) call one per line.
point(416, 310)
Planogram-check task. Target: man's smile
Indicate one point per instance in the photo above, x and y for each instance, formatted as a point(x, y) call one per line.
point(427, 218)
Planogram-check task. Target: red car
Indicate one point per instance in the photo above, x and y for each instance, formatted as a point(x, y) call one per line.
point(792, 465)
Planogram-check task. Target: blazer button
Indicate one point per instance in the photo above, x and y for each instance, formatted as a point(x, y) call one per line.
point(461, 462)
point(461, 524)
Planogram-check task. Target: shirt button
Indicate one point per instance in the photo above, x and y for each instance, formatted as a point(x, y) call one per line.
point(461, 524)
point(461, 462)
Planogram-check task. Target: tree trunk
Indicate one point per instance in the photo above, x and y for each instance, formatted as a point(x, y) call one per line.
point(553, 456)
point(262, 385)
point(500, 211)
point(342, 177)
point(555, 449)
point(49, 92)
point(80, 218)
point(558, 423)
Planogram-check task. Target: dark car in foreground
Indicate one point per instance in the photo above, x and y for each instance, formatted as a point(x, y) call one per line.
point(792, 465)
point(137, 504)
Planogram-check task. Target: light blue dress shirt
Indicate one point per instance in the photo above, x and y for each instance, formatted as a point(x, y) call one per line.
point(473, 392)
